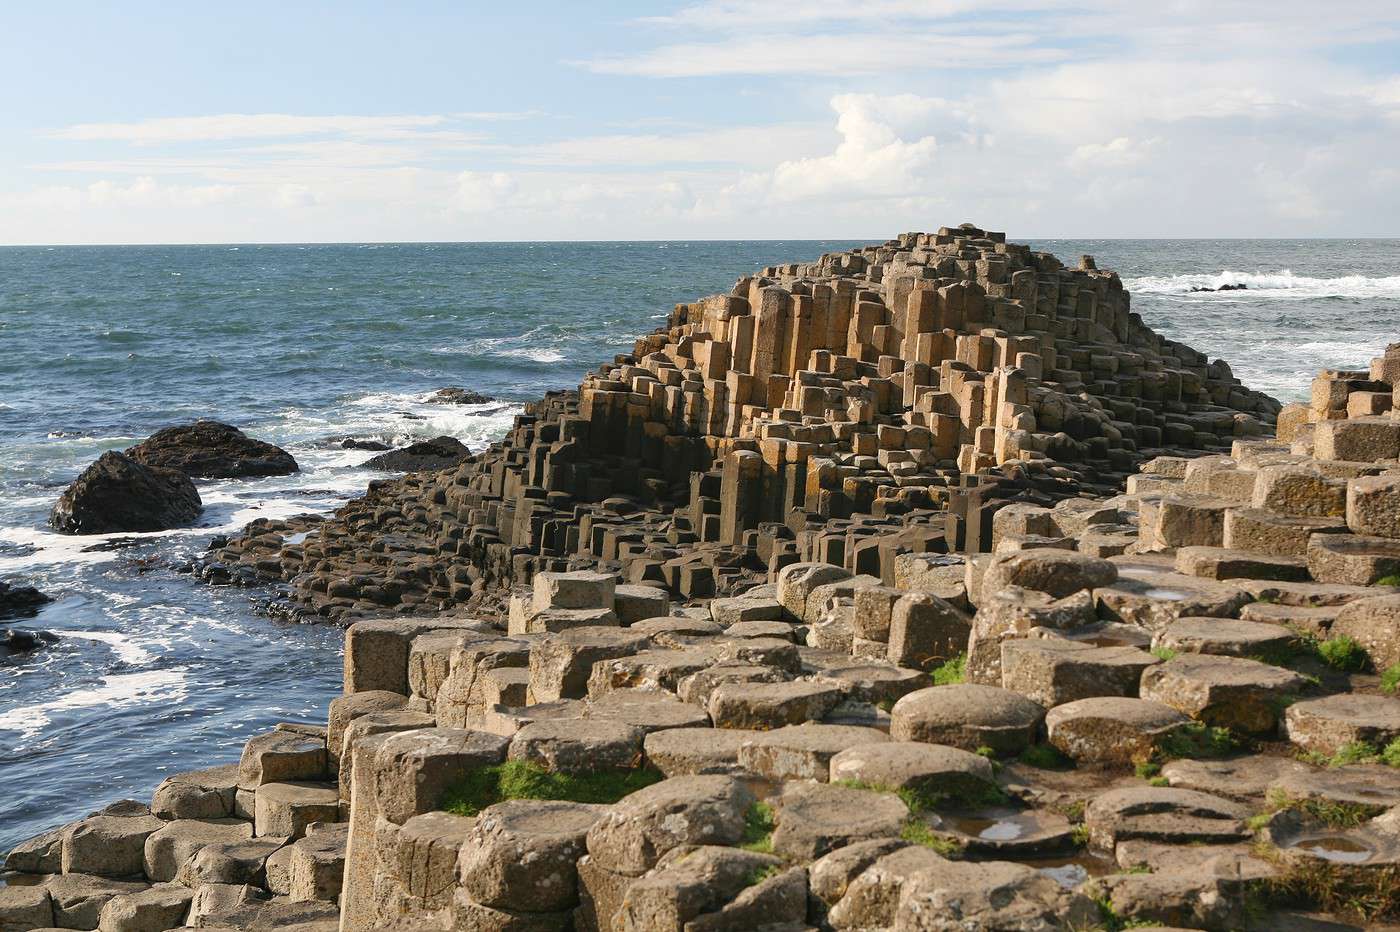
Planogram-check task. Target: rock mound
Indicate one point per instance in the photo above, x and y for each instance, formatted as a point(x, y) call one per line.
point(423, 456)
point(455, 395)
point(212, 450)
point(117, 493)
point(20, 600)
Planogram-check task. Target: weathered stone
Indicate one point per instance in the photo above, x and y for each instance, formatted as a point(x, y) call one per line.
point(771, 705)
point(1163, 814)
point(316, 867)
point(1243, 695)
point(1375, 625)
point(578, 745)
point(989, 895)
point(1053, 671)
point(1182, 521)
point(42, 854)
point(1331, 723)
point(286, 809)
point(560, 663)
point(732, 611)
point(520, 855)
point(241, 862)
point(279, 757)
point(689, 886)
point(1226, 636)
point(467, 693)
point(583, 589)
point(648, 709)
point(345, 709)
point(416, 864)
point(414, 770)
point(1268, 532)
point(802, 752)
point(684, 751)
point(1222, 563)
point(1299, 490)
point(811, 819)
point(930, 769)
point(1110, 729)
point(649, 669)
point(1014, 613)
point(78, 899)
point(116, 493)
point(25, 907)
point(1351, 559)
point(163, 906)
point(696, 810)
point(1245, 778)
point(796, 582)
point(1057, 573)
point(109, 845)
point(1154, 600)
point(178, 841)
point(925, 631)
point(1373, 506)
point(967, 716)
point(632, 604)
point(200, 794)
point(1361, 440)
point(873, 681)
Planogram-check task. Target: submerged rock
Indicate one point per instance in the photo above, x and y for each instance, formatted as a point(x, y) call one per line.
point(20, 600)
point(20, 641)
point(117, 493)
point(455, 395)
point(425, 455)
point(212, 450)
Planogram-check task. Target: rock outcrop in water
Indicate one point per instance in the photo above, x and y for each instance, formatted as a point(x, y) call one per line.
point(18, 600)
point(426, 455)
point(212, 450)
point(1170, 706)
point(869, 404)
point(117, 493)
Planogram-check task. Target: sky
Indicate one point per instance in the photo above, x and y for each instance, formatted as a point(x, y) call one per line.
point(713, 119)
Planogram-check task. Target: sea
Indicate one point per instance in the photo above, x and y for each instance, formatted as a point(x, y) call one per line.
point(305, 345)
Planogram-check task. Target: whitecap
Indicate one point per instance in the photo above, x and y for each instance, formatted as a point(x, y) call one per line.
point(1283, 283)
point(536, 355)
point(115, 691)
point(127, 651)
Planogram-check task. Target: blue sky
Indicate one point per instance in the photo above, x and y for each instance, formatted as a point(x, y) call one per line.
point(139, 122)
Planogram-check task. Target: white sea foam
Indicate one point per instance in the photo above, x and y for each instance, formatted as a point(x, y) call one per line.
point(1278, 284)
point(115, 691)
point(125, 648)
point(537, 354)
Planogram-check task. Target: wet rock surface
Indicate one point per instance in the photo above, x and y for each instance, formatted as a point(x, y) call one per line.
point(212, 450)
point(116, 493)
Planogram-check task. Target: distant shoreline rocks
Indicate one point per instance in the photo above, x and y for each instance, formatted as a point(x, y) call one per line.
point(1239, 287)
point(212, 450)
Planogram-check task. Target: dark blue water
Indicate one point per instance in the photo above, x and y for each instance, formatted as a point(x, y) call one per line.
point(99, 347)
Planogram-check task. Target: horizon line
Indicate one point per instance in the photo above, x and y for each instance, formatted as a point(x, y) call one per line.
point(817, 239)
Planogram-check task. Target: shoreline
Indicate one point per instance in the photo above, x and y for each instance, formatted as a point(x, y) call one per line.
point(763, 566)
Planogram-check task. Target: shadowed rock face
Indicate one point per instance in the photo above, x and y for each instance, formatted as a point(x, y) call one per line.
point(438, 453)
point(212, 450)
point(117, 493)
point(16, 601)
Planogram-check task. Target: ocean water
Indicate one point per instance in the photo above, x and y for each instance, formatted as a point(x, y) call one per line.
point(302, 345)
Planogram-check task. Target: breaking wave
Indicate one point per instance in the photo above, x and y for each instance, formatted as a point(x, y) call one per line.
point(1278, 284)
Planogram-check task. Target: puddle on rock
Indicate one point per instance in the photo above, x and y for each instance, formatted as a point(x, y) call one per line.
point(1006, 830)
point(1338, 848)
point(1072, 870)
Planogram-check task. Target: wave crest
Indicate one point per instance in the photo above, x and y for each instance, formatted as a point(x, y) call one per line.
point(1283, 283)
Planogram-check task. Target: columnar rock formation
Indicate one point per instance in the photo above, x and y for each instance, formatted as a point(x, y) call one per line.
point(807, 414)
point(1173, 706)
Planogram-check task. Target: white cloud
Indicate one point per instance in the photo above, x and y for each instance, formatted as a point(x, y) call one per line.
point(227, 126)
point(481, 192)
point(1116, 153)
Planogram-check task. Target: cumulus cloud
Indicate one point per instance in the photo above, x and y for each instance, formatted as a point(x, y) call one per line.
point(482, 192)
point(1116, 153)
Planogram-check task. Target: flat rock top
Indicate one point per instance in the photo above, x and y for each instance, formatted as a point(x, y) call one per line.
point(1215, 670)
point(1350, 708)
point(1140, 713)
point(811, 736)
point(960, 703)
point(1237, 778)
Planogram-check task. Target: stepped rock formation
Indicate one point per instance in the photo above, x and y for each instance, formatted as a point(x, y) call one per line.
point(871, 403)
point(1169, 707)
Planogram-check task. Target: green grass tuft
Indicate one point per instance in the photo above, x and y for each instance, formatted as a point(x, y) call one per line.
point(1390, 679)
point(1342, 653)
point(1147, 769)
point(522, 780)
point(1391, 580)
point(1045, 757)
point(1331, 813)
point(1163, 653)
point(1196, 741)
point(763, 873)
point(917, 832)
point(950, 671)
point(758, 829)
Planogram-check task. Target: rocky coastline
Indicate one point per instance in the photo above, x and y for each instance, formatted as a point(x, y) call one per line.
point(919, 587)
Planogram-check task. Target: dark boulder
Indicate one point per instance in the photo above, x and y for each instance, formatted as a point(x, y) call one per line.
point(438, 453)
point(459, 396)
point(20, 641)
point(351, 443)
point(20, 600)
point(117, 493)
point(212, 450)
